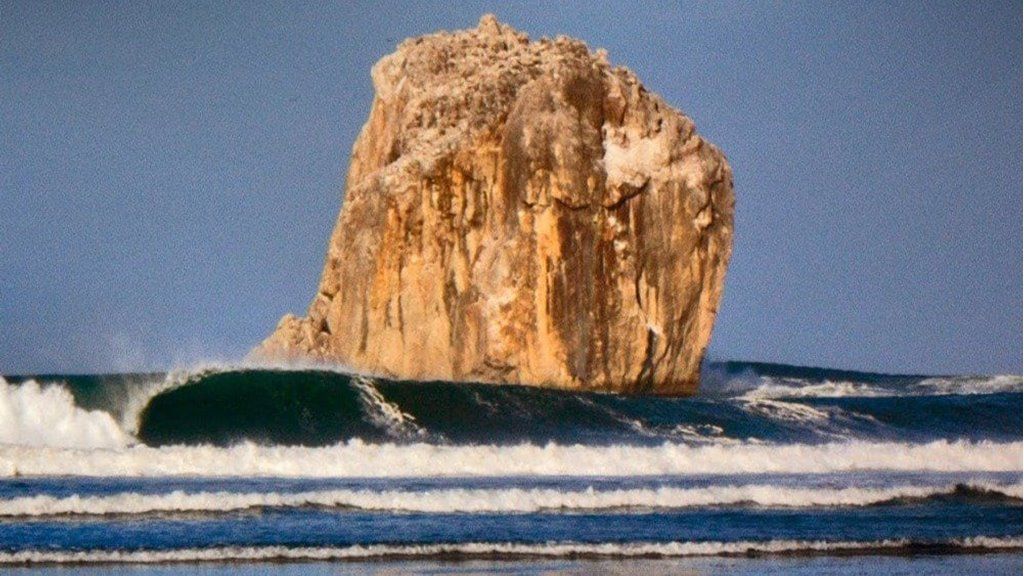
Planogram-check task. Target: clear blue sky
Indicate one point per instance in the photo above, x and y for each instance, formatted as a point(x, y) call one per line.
point(170, 172)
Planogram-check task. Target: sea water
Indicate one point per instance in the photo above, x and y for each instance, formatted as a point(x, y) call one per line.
point(232, 470)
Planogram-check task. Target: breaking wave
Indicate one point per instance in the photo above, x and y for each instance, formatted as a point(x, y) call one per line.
point(358, 459)
point(82, 456)
point(32, 414)
point(771, 388)
point(225, 406)
point(970, 385)
point(505, 500)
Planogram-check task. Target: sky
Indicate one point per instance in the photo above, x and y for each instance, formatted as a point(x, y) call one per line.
point(170, 172)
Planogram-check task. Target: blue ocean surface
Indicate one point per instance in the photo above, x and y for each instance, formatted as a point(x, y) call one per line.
point(769, 469)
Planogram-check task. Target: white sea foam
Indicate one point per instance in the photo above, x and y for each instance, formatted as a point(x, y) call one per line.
point(34, 414)
point(359, 459)
point(970, 385)
point(770, 388)
point(488, 549)
point(384, 414)
point(787, 411)
point(470, 500)
point(766, 388)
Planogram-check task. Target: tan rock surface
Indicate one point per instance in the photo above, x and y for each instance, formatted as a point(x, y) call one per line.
point(521, 212)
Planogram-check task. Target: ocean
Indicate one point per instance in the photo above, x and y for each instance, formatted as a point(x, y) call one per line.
point(768, 469)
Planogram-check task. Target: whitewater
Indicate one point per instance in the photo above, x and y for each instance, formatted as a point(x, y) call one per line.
point(517, 500)
point(247, 463)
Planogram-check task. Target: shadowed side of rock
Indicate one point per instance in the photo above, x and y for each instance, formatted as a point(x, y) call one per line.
point(521, 212)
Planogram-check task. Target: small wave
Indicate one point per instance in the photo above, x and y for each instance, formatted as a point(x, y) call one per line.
point(358, 459)
point(512, 551)
point(970, 385)
point(34, 414)
point(787, 411)
point(768, 388)
point(509, 500)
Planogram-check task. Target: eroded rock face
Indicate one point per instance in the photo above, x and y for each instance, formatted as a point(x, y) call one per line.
point(521, 212)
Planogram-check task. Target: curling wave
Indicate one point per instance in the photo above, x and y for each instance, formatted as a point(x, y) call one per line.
point(224, 406)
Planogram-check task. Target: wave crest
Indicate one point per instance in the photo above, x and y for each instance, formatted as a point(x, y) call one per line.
point(504, 500)
point(225, 405)
point(34, 414)
point(359, 459)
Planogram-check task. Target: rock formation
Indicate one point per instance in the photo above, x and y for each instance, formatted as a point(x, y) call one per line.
point(521, 212)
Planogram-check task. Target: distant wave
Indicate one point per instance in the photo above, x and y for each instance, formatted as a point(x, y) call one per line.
point(970, 385)
point(513, 550)
point(774, 388)
point(787, 389)
point(504, 500)
point(359, 459)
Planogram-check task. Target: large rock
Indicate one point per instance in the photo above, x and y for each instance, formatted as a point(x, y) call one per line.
point(521, 212)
